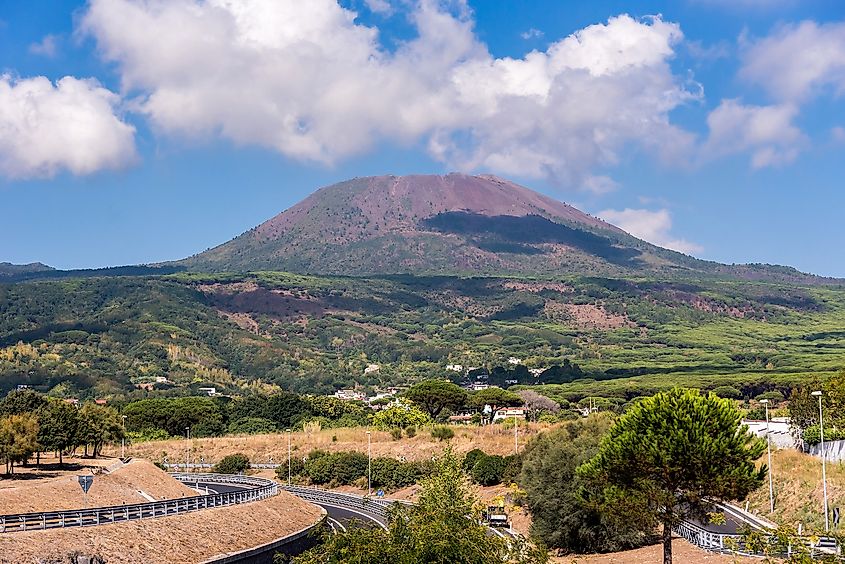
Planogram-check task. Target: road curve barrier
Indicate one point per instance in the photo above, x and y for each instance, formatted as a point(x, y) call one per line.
point(252, 489)
point(374, 508)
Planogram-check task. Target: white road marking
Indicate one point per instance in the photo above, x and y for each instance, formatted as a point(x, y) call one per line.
point(333, 522)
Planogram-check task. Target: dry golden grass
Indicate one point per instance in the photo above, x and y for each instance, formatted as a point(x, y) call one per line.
point(492, 439)
point(798, 490)
point(682, 551)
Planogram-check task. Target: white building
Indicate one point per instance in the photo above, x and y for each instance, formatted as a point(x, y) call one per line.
point(455, 367)
point(509, 412)
point(372, 368)
point(350, 395)
point(779, 431)
point(210, 392)
point(515, 361)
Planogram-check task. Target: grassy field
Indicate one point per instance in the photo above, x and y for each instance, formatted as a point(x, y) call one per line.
point(798, 490)
point(492, 439)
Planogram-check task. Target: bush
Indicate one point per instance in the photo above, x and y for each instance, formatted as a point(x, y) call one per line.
point(232, 464)
point(252, 426)
point(471, 458)
point(727, 392)
point(488, 471)
point(812, 435)
point(340, 468)
point(513, 467)
point(392, 474)
point(411, 431)
point(773, 396)
point(297, 468)
point(396, 433)
point(442, 433)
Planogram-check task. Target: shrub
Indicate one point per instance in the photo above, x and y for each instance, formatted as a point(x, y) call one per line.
point(727, 392)
point(773, 396)
point(471, 458)
point(297, 468)
point(396, 433)
point(812, 435)
point(442, 433)
point(341, 468)
point(392, 474)
point(232, 464)
point(252, 426)
point(513, 467)
point(488, 471)
point(411, 431)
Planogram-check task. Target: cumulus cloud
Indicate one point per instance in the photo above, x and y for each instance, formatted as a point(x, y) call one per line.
point(653, 226)
point(46, 47)
point(767, 132)
point(532, 33)
point(46, 128)
point(795, 62)
point(379, 6)
point(309, 81)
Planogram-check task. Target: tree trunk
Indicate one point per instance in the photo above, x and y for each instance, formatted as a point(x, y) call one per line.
point(60, 457)
point(38, 459)
point(667, 543)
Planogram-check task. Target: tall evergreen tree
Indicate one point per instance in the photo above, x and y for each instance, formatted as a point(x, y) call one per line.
point(678, 452)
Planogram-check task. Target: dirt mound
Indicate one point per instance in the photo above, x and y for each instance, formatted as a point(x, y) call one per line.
point(123, 486)
point(188, 538)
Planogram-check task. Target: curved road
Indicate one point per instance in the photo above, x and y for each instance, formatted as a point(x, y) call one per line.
point(338, 518)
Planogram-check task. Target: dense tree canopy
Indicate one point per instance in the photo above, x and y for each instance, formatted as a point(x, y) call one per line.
point(442, 528)
point(676, 453)
point(434, 396)
point(561, 517)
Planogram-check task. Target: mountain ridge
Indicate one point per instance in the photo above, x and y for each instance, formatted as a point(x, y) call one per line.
point(454, 224)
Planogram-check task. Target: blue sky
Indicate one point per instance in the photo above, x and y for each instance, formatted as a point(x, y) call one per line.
point(134, 132)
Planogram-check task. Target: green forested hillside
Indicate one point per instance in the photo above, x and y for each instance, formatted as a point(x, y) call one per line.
point(94, 337)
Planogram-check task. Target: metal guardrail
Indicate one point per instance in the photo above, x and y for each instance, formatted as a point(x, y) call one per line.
point(735, 544)
point(374, 507)
point(258, 488)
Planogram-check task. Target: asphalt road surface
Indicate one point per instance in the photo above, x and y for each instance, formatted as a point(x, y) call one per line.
point(338, 518)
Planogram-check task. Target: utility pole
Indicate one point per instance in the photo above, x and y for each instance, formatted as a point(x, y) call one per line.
point(818, 394)
point(769, 447)
point(123, 438)
point(288, 457)
point(515, 434)
point(369, 464)
point(187, 448)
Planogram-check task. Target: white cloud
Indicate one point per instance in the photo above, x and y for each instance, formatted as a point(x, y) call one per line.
point(379, 6)
point(304, 79)
point(765, 131)
point(46, 47)
point(532, 33)
point(837, 133)
point(46, 128)
point(796, 62)
point(653, 226)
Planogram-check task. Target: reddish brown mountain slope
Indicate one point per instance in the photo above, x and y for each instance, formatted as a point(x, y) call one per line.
point(452, 224)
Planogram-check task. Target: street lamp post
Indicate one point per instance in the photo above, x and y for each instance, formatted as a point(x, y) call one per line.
point(123, 438)
point(369, 464)
point(769, 448)
point(187, 448)
point(288, 457)
point(818, 394)
point(515, 434)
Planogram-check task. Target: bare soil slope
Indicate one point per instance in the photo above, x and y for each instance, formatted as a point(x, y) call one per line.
point(176, 539)
point(119, 487)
